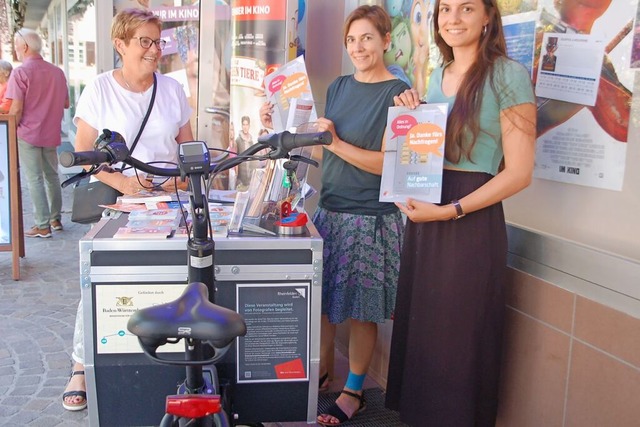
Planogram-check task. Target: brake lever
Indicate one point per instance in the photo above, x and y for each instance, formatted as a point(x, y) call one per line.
point(81, 175)
point(299, 158)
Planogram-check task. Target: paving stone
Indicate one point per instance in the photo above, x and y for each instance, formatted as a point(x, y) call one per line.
point(8, 410)
point(25, 417)
point(37, 405)
point(7, 370)
point(24, 390)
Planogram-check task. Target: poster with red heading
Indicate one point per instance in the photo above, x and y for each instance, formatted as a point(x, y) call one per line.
point(264, 36)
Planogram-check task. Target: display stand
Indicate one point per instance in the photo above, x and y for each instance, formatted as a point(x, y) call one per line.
point(274, 282)
point(11, 224)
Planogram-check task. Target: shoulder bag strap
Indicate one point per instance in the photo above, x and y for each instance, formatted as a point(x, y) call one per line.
point(146, 117)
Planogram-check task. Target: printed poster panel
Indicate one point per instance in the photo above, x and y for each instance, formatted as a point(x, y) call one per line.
point(579, 143)
point(520, 35)
point(116, 303)
point(412, 55)
point(635, 49)
point(263, 37)
point(570, 68)
point(276, 347)
point(5, 199)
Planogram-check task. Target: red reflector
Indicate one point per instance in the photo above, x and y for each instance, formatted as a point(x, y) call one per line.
point(193, 405)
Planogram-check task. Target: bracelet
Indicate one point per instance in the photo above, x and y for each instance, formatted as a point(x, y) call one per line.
point(459, 212)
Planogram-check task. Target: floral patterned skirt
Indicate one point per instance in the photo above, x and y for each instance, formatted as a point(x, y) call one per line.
point(361, 261)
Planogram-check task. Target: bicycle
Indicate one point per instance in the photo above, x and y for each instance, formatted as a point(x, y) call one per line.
point(194, 316)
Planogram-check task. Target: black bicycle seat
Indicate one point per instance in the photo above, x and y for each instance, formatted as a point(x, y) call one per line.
point(192, 315)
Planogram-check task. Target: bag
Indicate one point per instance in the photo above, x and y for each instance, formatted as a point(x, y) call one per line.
point(87, 196)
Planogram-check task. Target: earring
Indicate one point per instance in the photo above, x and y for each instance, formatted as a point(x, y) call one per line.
point(484, 30)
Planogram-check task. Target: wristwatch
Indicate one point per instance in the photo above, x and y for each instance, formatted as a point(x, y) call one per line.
point(459, 212)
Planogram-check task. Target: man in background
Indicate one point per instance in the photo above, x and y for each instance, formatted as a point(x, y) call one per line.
point(40, 95)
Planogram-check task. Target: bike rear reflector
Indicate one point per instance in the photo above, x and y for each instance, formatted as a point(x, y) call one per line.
point(193, 405)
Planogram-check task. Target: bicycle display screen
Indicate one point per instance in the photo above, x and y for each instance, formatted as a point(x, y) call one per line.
point(193, 157)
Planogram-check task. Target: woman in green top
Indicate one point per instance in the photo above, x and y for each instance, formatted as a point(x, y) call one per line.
point(445, 352)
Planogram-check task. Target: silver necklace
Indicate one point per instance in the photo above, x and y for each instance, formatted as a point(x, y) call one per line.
point(127, 83)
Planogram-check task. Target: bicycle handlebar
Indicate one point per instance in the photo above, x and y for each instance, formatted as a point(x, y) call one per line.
point(111, 148)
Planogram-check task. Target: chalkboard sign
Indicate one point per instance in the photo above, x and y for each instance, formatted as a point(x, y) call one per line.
point(11, 230)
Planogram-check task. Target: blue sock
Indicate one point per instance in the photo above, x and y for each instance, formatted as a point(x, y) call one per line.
point(355, 382)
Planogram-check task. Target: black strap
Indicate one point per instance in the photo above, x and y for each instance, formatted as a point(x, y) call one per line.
point(146, 117)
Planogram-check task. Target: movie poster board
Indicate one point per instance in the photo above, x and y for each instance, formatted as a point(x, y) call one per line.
point(11, 229)
point(264, 37)
point(584, 105)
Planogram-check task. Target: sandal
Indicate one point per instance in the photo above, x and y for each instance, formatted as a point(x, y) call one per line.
point(324, 383)
point(83, 394)
point(335, 411)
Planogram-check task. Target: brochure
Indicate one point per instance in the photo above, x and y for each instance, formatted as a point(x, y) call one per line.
point(155, 214)
point(414, 153)
point(144, 196)
point(289, 90)
point(138, 223)
point(157, 232)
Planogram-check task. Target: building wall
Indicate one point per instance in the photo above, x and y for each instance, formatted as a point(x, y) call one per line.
point(568, 361)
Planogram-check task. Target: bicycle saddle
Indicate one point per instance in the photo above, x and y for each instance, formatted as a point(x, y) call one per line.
point(192, 315)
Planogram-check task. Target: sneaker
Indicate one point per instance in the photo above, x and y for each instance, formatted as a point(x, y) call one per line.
point(38, 232)
point(56, 225)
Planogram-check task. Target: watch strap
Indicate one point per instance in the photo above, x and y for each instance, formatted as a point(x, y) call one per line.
point(459, 212)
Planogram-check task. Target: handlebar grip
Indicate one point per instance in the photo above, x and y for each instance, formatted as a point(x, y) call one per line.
point(69, 158)
point(297, 140)
point(282, 143)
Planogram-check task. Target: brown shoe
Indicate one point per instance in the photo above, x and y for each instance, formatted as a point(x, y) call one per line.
point(56, 225)
point(38, 232)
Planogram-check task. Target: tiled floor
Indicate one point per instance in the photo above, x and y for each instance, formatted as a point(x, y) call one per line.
point(341, 370)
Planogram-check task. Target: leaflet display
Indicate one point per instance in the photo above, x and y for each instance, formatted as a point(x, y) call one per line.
point(414, 153)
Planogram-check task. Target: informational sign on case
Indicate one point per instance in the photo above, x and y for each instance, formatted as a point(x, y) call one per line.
point(115, 303)
point(276, 347)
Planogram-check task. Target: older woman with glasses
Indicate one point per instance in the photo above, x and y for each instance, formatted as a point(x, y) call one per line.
point(118, 100)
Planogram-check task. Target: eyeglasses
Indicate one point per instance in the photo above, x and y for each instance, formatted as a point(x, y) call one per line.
point(146, 42)
point(23, 39)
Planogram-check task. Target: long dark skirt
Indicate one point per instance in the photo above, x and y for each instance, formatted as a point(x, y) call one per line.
point(445, 351)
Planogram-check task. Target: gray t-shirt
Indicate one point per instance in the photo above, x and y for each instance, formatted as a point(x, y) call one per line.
point(359, 114)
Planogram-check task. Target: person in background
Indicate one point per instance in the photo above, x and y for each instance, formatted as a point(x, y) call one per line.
point(447, 334)
point(361, 236)
point(39, 95)
point(118, 100)
point(5, 72)
point(244, 141)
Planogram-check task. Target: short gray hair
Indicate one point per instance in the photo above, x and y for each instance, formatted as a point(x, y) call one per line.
point(31, 38)
point(5, 69)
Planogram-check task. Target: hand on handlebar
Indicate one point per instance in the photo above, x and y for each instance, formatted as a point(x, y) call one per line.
point(325, 125)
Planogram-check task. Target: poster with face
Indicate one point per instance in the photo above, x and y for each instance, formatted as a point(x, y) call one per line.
point(411, 55)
